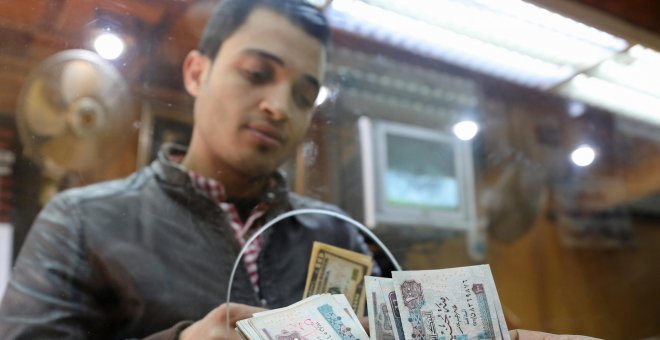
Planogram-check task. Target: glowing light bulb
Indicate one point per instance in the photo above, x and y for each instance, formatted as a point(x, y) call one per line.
point(583, 156)
point(466, 130)
point(109, 46)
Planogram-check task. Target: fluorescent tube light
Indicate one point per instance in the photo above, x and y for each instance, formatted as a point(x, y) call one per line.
point(436, 42)
point(643, 78)
point(614, 97)
point(644, 54)
point(515, 25)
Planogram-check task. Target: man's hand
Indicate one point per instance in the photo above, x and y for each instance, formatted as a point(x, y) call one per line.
point(521, 334)
point(364, 321)
point(214, 324)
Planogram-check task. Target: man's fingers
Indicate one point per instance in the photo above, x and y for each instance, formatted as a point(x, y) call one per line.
point(218, 331)
point(364, 321)
point(236, 312)
point(521, 334)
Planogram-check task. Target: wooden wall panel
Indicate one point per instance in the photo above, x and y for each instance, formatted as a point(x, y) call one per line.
point(13, 73)
point(611, 294)
point(75, 16)
point(23, 13)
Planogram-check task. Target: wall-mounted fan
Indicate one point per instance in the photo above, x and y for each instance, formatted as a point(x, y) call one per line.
point(74, 117)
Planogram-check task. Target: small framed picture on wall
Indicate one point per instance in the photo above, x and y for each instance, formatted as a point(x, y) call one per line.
point(162, 123)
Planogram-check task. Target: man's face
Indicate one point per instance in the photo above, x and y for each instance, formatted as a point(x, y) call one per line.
point(254, 102)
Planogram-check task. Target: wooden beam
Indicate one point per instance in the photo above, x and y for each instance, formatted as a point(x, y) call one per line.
point(601, 21)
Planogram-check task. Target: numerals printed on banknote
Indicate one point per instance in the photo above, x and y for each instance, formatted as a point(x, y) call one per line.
point(338, 271)
point(317, 317)
point(457, 303)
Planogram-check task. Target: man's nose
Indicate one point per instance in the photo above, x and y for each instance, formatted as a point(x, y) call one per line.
point(277, 102)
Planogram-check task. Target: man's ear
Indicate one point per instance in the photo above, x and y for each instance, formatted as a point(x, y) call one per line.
point(195, 70)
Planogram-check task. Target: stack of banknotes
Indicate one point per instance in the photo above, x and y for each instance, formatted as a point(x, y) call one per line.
point(444, 304)
point(325, 316)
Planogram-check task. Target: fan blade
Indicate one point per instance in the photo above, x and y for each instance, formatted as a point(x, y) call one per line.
point(79, 79)
point(42, 116)
point(72, 153)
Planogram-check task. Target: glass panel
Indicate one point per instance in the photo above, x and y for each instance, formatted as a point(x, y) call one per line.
point(533, 146)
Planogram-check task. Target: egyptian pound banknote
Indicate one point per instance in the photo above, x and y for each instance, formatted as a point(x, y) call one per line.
point(449, 304)
point(383, 310)
point(327, 317)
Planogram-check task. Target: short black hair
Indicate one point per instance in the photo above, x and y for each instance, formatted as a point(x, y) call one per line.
point(229, 15)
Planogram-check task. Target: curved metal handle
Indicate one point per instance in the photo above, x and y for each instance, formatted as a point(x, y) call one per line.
point(302, 212)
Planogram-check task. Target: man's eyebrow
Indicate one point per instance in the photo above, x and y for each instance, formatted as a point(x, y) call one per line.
point(266, 55)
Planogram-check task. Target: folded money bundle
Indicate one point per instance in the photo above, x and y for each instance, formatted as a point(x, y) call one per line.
point(444, 304)
point(322, 316)
point(338, 271)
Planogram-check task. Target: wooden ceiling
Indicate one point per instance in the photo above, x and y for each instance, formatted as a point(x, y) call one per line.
point(642, 13)
point(158, 32)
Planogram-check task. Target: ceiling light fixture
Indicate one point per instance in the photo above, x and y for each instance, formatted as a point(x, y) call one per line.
point(584, 155)
point(614, 97)
point(508, 39)
point(466, 130)
point(109, 46)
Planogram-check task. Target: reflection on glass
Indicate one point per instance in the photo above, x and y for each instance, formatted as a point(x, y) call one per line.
point(571, 229)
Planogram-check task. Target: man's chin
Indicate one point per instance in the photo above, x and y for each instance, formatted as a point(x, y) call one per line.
point(264, 148)
point(259, 169)
point(259, 162)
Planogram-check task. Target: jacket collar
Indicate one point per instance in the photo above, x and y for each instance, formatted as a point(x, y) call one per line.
point(168, 171)
point(175, 175)
point(176, 178)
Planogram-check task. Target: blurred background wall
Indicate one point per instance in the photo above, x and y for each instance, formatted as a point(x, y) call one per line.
point(572, 238)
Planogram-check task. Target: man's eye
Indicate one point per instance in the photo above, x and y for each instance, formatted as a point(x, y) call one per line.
point(304, 96)
point(257, 76)
point(304, 101)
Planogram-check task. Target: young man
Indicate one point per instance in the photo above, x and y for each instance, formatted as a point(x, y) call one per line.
point(150, 254)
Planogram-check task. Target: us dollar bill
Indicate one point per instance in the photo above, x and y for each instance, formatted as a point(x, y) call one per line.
point(317, 317)
point(457, 303)
point(338, 271)
point(384, 317)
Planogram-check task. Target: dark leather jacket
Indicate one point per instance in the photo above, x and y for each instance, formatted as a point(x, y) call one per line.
point(136, 256)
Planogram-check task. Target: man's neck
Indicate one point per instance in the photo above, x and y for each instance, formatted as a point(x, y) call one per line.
point(237, 185)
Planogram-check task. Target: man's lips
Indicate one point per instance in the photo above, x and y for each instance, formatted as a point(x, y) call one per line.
point(267, 133)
